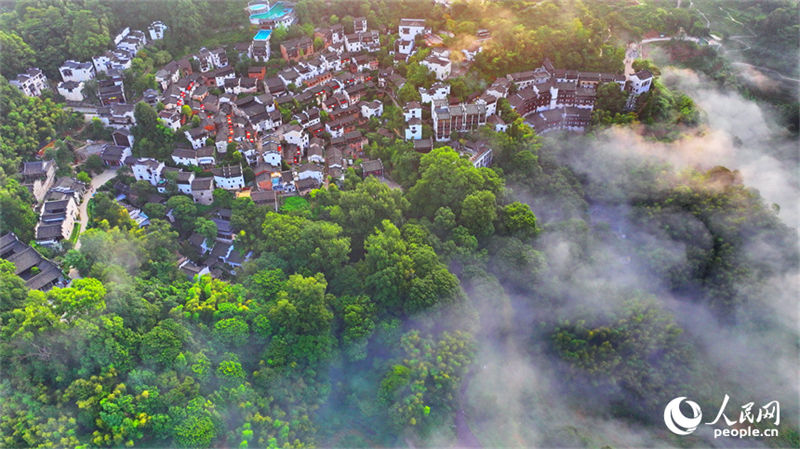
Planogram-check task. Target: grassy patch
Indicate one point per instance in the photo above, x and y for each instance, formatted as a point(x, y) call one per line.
point(295, 204)
point(76, 232)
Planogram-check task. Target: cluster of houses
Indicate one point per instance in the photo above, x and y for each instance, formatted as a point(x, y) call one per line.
point(551, 98)
point(76, 74)
point(275, 123)
point(217, 255)
point(57, 201)
point(38, 272)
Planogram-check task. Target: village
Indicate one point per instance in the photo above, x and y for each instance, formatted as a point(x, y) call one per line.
point(270, 138)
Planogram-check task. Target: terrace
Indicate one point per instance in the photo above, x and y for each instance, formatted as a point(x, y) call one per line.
point(279, 14)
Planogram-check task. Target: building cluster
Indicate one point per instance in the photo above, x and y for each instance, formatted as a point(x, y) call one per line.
point(551, 98)
point(214, 256)
point(57, 201)
point(296, 130)
point(38, 272)
point(75, 74)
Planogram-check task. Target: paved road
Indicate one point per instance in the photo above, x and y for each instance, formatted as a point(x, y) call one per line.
point(96, 183)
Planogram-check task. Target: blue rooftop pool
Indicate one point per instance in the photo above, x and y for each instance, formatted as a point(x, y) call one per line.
point(262, 35)
point(278, 10)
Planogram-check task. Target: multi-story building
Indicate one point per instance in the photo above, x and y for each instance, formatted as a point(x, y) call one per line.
point(56, 221)
point(147, 169)
point(156, 30)
point(228, 177)
point(32, 83)
point(459, 118)
point(411, 28)
point(295, 49)
point(38, 176)
point(77, 71)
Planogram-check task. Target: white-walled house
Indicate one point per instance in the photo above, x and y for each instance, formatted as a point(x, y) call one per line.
point(32, 83)
point(640, 82)
point(228, 177)
point(313, 171)
point(184, 156)
point(272, 157)
point(440, 67)
point(411, 28)
point(71, 90)
point(412, 109)
point(371, 109)
point(170, 119)
point(296, 135)
point(438, 91)
point(147, 169)
point(156, 30)
point(184, 182)
point(77, 71)
point(197, 137)
point(405, 46)
point(222, 74)
point(352, 43)
point(414, 129)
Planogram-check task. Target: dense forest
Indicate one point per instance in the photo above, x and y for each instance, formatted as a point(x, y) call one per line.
point(558, 298)
point(359, 316)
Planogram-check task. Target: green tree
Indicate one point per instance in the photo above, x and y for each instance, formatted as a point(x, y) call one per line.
point(611, 98)
point(408, 93)
point(308, 246)
point(423, 389)
point(16, 213)
point(84, 177)
point(478, 213)
point(446, 179)
point(94, 164)
point(405, 277)
point(184, 210)
point(518, 220)
point(12, 288)
point(16, 56)
point(231, 331)
point(105, 211)
point(163, 343)
point(151, 138)
point(646, 64)
point(89, 35)
point(206, 228)
point(361, 210)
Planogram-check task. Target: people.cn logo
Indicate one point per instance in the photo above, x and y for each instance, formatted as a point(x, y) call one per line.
point(677, 422)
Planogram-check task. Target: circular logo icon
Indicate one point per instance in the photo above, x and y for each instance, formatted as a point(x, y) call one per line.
point(677, 422)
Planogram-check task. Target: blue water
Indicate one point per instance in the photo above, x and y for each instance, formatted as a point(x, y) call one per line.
point(277, 10)
point(262, 35)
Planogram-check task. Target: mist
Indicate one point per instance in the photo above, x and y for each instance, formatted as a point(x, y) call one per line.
point(516, 396)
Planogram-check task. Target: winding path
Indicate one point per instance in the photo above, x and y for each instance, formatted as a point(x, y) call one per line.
point(96, 183)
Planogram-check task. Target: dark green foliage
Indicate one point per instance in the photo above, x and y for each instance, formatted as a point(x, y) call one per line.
point(107, 213)
point(16, 213)
point(27, 124)
point(422, 389)
point(640, 352)
point(307, 246)
point(405, 277)
point(446, 179)
point(349, 325)
point(610, 98)
point(12, 287)
point(715, 225)
point(152, 138)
